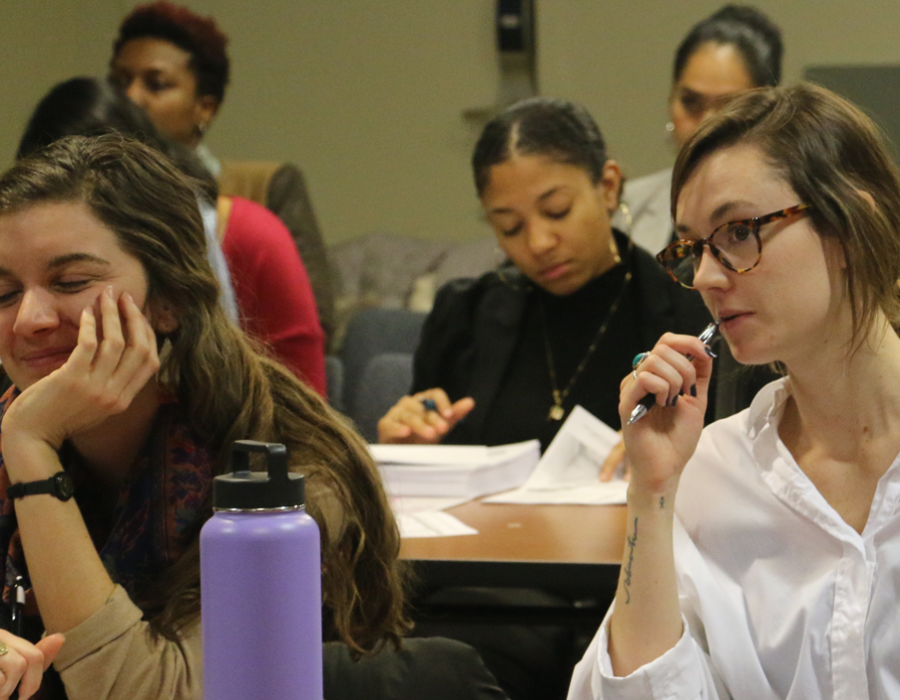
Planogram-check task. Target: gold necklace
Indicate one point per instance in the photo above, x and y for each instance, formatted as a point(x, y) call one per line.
point(556, 410)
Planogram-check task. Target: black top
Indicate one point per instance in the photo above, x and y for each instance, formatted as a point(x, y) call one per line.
point(570, 325)
point(484, 339)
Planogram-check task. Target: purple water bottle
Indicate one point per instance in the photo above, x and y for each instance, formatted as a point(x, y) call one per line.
point(261, 590)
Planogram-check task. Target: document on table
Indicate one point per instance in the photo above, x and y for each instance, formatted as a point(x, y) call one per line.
point(570, 468)
point(432, 523)
point(422, 517)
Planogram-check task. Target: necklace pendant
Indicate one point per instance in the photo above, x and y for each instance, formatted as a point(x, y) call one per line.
point(556, 413)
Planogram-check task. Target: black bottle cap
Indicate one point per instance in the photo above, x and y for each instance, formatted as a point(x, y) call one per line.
point(247, 490)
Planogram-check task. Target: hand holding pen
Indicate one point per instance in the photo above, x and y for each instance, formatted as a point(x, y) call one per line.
point(649, 399)
point(675, 374)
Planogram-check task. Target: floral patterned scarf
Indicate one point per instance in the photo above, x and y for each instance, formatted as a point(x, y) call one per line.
point(158, 511)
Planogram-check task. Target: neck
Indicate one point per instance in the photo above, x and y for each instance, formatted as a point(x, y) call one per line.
point(110, 448)
point(842, 397)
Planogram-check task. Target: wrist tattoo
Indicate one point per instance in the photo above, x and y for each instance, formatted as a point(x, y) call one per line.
point(662, 502)
point(632, 541)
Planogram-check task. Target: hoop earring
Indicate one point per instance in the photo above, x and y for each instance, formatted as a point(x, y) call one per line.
point(629, 222)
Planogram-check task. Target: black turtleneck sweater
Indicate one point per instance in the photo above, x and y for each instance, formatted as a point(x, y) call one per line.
point(569, 324)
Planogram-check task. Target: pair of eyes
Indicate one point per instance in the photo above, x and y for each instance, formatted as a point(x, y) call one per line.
point(696, 103)
point(555, 214)
point(8, 295)
point(152, 82)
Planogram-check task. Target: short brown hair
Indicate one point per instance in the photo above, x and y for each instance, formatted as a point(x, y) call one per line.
point(835, 158)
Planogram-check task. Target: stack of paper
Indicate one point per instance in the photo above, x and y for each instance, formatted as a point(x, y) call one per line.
point(570, 468)
point(454, 470)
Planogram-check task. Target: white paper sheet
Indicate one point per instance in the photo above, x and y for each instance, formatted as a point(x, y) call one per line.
point(432, 524)
point(570, 468)
point(408, 505)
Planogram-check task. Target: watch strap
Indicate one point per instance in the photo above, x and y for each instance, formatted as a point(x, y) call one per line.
point(53, 486)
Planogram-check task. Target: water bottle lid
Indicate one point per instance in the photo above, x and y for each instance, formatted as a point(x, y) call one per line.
point(247, 490)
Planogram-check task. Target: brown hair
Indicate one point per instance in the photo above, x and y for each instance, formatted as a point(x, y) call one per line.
point(229, 389)
point(835, 159)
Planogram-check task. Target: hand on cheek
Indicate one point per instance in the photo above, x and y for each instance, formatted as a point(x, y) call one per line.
point(114, 359)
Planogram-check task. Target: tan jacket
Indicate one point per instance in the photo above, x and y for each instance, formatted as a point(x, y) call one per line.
point(113, 656)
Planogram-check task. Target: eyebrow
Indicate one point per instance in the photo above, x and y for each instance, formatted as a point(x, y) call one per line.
point(61, 261)
point(546, 195)
point(718, 213)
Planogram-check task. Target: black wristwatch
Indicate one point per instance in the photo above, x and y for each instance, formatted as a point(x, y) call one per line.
point(59, 485)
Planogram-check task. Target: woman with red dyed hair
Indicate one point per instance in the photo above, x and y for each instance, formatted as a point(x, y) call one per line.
point(172, 63)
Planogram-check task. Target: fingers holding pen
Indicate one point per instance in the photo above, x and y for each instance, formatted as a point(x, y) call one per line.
point(678, 366)
point(422, 418)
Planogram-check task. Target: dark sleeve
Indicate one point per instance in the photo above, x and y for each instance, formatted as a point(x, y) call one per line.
point(288, 199)
point(446, 349)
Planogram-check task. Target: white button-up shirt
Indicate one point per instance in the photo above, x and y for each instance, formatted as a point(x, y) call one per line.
point(781, 597)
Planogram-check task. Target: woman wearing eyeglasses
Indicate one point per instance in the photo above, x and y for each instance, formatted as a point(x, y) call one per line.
point(773, 573)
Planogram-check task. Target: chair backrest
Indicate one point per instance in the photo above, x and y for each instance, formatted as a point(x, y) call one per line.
point(334, 376)
point(384, 381)
point(372, 332)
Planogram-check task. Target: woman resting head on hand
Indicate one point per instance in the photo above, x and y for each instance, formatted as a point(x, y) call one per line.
point(772, 573)
point(129, 377)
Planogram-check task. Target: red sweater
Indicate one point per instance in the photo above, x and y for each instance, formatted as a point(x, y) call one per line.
point(273, 293)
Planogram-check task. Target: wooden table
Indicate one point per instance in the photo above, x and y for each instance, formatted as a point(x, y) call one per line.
point(573, 551)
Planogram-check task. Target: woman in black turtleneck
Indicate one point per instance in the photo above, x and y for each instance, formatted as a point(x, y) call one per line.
point(506, 357)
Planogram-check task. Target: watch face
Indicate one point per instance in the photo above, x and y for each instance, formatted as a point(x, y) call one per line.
point(63, 486)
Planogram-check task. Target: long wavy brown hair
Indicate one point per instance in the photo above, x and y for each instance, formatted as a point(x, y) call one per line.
point(229, 387)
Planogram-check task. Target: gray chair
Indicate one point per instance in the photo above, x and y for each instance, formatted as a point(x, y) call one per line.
point(334, 377)
point(374, 332)
point(386, 378)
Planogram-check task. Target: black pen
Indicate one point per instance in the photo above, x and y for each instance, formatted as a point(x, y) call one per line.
point(17, 606)
point(17, 614)
point(649, 399)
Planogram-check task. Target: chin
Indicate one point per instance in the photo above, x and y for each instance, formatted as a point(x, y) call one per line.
point(748, 355)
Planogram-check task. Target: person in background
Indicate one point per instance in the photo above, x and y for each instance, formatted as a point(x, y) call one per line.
point(762, 553)
point(734, 49)
point(89, 106)
point(505, 357)
point(274, 297)
point(173, 63)
point(129, 387)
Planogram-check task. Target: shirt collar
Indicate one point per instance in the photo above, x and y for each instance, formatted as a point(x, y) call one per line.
point(767, 406)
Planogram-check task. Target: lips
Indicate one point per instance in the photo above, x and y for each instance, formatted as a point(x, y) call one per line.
point(554, 271)
point(48, 357)
point(730, 318)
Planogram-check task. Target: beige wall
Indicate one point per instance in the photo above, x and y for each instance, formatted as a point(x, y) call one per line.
point(367, 95)
point(616, 56)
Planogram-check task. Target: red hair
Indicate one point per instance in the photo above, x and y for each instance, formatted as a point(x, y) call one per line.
point(199, 36)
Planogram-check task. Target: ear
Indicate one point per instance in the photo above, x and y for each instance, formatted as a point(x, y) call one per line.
point(205, 109)
point(163, 319)
point(610, 185)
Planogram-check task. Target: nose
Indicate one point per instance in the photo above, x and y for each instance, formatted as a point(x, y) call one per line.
point(710, 273)
point(541, 237)
point(135, 92)
point(36, 313)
